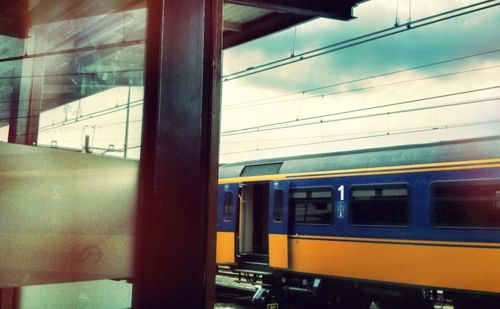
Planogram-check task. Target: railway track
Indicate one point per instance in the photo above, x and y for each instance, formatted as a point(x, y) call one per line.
point(236, 291)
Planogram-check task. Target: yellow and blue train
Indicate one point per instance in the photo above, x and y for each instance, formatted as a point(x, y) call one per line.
point(417, 222)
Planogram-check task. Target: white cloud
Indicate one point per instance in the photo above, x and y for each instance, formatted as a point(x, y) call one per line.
point(441, 41)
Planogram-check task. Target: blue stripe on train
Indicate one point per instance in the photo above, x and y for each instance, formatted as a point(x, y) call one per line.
point(420, 227)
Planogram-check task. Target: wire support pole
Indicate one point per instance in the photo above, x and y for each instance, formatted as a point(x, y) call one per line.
point(127, 118)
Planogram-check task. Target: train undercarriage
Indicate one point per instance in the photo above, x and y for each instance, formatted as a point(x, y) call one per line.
point(281, 289)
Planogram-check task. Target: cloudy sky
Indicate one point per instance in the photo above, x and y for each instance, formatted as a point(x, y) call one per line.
point(282, 95)
point(389, 91)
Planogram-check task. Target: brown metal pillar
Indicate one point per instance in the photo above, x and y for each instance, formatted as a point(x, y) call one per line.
point(9, 298)
point(175, 244)
point(26, 108)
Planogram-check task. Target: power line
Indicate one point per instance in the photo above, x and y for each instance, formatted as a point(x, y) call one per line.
point(71, 74)
point(360, 40)
point(18, 117)
point(246, 105)
point(266, 127)
point(74, 50)
point(246, 141)
point(369, 77)
point(386, 133)
point(370, 115)
point(100, 113)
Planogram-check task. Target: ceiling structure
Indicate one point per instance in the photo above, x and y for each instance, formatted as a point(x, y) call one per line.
point(244, 20)
point(92, 45)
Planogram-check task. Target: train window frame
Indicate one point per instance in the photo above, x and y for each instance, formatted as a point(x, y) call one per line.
point(377, 186)
point(432, 202)
point(291, 205)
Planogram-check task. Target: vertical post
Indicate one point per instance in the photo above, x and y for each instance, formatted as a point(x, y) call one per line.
point(9, 298)
point(26, 109)
point(87, 144)
point(127, 119)
point(175, 243)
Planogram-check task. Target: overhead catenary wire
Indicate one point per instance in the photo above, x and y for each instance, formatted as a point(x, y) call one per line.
point(309, 137)
point(73, 50)
point(69, 121)
point(303, 92)
point(370, 115)
point(370, 77)
point(96, 114)
point(274, 125)
point(72, 74)
point(422, 22)
point(246, 105)
point(268, 127)
point(382, 134)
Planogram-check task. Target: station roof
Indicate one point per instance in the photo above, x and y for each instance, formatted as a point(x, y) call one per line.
point(243, 21)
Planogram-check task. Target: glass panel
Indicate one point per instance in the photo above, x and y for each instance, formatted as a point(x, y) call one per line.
point(363, 193)
point(467, 204)
point(319, 212)
point(321, 194)
point(299, 194)
point(379, 205)
point(83, 295)
point(395, 192)
point(300, 212)
point(261, 169)
point(74, 89)
point(311, 206)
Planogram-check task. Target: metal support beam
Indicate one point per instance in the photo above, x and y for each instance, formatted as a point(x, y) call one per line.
point(313, 8)
point(262, 27)
point(175, 244)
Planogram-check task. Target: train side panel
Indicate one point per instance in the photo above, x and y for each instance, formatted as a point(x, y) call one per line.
point(416, 254)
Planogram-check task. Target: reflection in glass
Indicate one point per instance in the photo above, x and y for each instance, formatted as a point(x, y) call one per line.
point(74, 88)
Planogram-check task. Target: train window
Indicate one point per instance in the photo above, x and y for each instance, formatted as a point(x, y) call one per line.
point(379, 205)
point(311, 205)
point(279, 203)
point(261, 169)
point(228, 205)
point(466, 204)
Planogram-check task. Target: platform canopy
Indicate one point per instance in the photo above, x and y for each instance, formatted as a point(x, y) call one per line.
point(243, 21)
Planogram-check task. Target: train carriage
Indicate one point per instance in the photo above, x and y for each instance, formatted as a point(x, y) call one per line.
point(403, 221)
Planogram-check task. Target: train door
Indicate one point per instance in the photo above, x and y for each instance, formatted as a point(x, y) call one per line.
point(253, 242)
point(227, 224)
point(278, 224)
